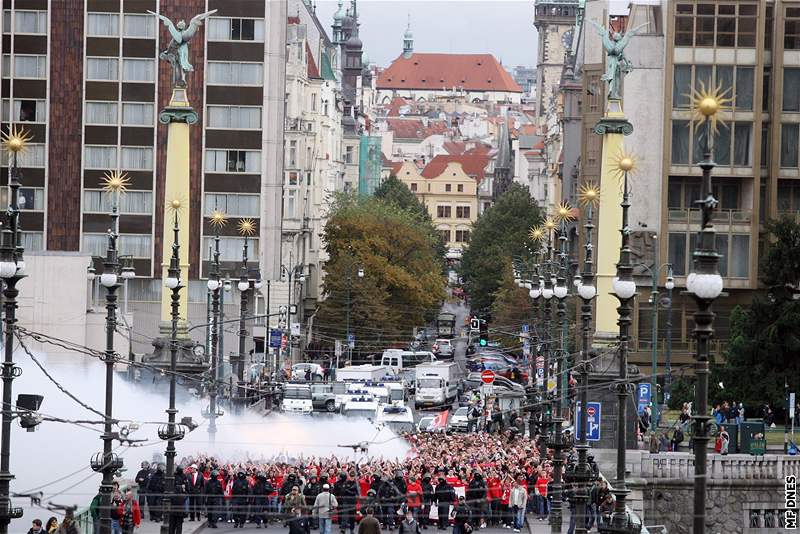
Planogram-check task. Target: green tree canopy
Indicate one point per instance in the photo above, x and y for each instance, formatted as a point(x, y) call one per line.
point(499, 234)
point(765, 338)
point(402, 285)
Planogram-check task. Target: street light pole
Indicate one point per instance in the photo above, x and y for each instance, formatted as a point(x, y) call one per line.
point(547, 293)
point(172, 432)
point(587, 291)
point(670, 285)
point(217, 221)
point(244, 288)
point(12, 270)
point(705, 285)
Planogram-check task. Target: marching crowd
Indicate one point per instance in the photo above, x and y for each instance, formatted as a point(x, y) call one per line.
point(470, 481)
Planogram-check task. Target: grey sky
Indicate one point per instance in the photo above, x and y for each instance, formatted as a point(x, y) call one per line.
point(500, 27)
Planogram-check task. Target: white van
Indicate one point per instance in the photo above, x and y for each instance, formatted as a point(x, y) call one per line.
point(364, 406)
point(397, 418)
point(403, 362)
point(297, 399)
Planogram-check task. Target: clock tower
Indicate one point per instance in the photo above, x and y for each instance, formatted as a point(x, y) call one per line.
point(555, 22)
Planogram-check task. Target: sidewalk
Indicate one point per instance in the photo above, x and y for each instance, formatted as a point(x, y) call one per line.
point(152, 527)
point(543, 527)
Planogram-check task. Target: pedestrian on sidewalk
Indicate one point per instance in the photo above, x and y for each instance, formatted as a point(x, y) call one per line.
point(518, 502)
point(324, 506)
point(130, 515)
point(369, 524)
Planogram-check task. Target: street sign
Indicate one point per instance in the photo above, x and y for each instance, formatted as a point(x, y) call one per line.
point(337, 348)
point(351, 340)
point(792, 405)
point(551, 384)
point(593, 413)
point(540, 362)
point(295, 329)
point(487, 376)
point(275, 338)
point(526, 341)
point(643, 396)
point(487, 390)
point(475, 325)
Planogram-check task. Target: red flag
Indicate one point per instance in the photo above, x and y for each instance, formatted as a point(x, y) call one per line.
point(440, 421)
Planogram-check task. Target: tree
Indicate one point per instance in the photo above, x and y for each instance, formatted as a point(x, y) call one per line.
point(498, 235)
point(765, 338)
point(511, 308)
point(402, 285)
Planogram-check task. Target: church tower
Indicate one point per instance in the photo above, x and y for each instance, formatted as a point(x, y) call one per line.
point(555, 21)
point(408, 40)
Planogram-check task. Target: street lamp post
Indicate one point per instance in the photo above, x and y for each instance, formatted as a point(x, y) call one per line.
point(217, 222)
point(547, 293)
point(350, 304)
point(670, 285)
point(12, 270)
point(583, 474)
point(705, 285)
point(535, 294)
point(246, 230)
point(107, 462)
point(172, 432)
point(624, 289)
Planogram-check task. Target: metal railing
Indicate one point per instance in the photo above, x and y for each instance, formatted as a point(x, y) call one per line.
point(692, 216)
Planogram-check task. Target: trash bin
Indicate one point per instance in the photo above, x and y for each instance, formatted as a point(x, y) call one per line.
point(749, 431)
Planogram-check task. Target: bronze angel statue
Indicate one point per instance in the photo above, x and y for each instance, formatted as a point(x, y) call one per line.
point(617, 64)
point(177, 53)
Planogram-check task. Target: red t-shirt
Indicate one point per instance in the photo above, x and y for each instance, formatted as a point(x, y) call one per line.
point(493, 489)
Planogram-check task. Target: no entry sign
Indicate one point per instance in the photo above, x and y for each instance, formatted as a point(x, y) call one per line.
point(487, 376)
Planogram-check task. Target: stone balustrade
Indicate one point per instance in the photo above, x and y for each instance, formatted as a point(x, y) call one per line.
point(680, 465)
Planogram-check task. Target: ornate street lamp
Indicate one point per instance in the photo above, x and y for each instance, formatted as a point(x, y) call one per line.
point(246, 229)
point(547, 293)
point(11, 271)
point(583, 474)
point(218, 221)
point(107, 462)
point(624, 289)
point(172, 432)
point(705, 285)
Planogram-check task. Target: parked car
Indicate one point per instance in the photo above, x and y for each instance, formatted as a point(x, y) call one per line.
point(299, 371)
point(459, 421)
point(473, 381)
point(443, 348)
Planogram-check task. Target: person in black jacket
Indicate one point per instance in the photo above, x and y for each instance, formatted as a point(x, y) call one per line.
point(141, 480)
point(444, 495)
point(298, 524)
point(213, 493)
point(194, 488)
point(476, 497)
point(427, 500)
point(240, 497)
point(258, 505)
point(155, 492)
point(177, 504)
point(389, 498)
point(346, 492)
point(461, 516)
point(310, 492)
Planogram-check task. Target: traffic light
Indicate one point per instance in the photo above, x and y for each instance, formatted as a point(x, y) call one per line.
point(483, 340)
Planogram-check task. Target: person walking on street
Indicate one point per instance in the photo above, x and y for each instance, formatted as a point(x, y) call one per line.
point(240, 498)
point(297, 523)
point(177, 509)
point(142, 477)
point(461, 517)
point(213, 494)
point(518, 503)
point(409, 525)
point(130, 515)
point(194, 488)
point(444, 495)
point(369, 524)
point(324, 506)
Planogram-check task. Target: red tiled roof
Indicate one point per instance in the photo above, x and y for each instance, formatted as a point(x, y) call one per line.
point(415, 128)
point(454, 147)
point(473, 164)
point(395, 105)
point(313, 71)
point(473, 72)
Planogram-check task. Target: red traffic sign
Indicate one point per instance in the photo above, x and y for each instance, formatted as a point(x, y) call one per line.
point(487, 376)
point(540, 362)
point(590, 411)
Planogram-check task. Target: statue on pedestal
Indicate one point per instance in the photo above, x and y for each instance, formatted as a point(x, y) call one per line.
point(177, 53)
point(617, 64)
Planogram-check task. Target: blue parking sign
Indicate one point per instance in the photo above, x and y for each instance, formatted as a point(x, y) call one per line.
point(643, 396)
point(593, 413)
point(275, 338)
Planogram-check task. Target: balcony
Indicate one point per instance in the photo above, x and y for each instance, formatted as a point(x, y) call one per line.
point(794, 215)
point(299, 125)
point(692, 216)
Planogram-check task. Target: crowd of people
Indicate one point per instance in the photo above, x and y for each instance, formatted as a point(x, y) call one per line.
point(469, 481)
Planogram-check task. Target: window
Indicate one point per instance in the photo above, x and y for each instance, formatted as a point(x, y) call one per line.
point(766, 88)
point(25, 111)
point(790, 135)
point(791, 35)
point(141, 26)
point(462, 236)
point(102, 25)
point(681, 85)
point(233, 161)
point(230, 248)
point(677, 253)
point(445, 234)
point(462, 212)
point(292, 153)
point(680, 142)
point(101, 113)
point(100, 157)
point(6, 66)
point(102, 69)
point(291, 203)
point(232, 204)
point(32, 241)
point(308, 177)
point(722, 25)
point(234, 73)
point(742, 143)
point(137, 114)
point(313, 101)
point(443, 212)
point(132, 202)
point(788, 196)
point(740, 256)
point(348, 154)
point(743, 91)
point(31, 198)
point(234, 117)
point(138, 70)
point(791, 94)
point(136, 245)
point(30, 66)
point(137, 158)
point(460, 188)
point(223, 29)
point(25, 21)
point(448, 188)
point(414, 186)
